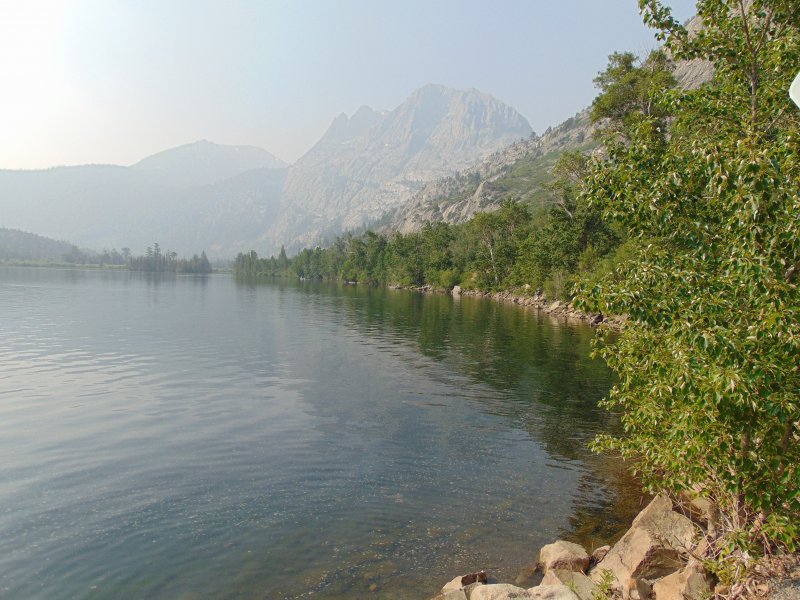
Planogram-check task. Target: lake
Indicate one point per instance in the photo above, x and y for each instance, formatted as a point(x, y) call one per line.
point(182, 437)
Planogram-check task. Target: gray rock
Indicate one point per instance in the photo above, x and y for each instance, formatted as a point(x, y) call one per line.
point(358, 172)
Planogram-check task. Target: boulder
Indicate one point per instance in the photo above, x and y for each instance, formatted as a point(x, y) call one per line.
point(506, 591)
point(500, 591)
point(563, 555)
point(640, 588)
point(582, 586)
point(650, 549)
point(698, 509)
point(598, 555)
point(451, 595)
point(689, 583)
point(456, 290)
point(463, 581)
point(552, 592)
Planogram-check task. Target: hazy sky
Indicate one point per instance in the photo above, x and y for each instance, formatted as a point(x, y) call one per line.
point(112, 81)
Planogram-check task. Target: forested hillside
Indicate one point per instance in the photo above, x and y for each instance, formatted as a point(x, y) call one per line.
point(16, 246)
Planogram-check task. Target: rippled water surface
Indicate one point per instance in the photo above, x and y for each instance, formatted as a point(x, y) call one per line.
point(185, 437)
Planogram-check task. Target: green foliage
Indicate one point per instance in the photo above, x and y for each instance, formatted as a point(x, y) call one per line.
point(605, 586)
point(708, 363)
point(571, 239)
point(629, 90)
point(498, 237)
point(493, 251)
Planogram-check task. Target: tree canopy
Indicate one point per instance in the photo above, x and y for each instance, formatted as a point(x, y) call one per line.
point(709, 388)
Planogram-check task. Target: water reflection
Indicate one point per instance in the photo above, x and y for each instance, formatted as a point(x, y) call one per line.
point(177, 437)
point(541, 369)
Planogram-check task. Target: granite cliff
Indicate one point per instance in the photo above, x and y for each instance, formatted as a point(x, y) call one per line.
point(373, 162)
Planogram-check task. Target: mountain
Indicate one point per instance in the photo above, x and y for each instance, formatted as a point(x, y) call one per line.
point(203, 163)
point(19, 245)
point(222, 218)
point(93, 205)
point(517, 172)
point(373, 162)
point(110, 206)
point(226, 199)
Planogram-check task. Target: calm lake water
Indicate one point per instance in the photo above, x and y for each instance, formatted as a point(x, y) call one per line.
point(179, 437)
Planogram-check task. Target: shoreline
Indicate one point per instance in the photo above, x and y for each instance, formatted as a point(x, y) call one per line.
point(664, 555)
point(555, 309)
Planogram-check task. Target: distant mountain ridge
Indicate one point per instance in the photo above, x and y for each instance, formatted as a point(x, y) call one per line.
point(373, 162)
point(226, 199)
point(203, 163)
point(221, 210)
point(16, 245)
point(517, 172)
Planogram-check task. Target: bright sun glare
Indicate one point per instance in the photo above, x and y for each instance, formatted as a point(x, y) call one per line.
point(35, 85)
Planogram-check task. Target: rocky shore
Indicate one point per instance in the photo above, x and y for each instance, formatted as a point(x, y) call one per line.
point(661, 557)
point(555, 309)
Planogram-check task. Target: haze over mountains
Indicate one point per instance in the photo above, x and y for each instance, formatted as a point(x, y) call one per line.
point(372, 163)
point(204, 162)
point(225, 199)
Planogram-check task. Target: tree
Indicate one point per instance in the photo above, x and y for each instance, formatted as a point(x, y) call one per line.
point(498, 236)
point(629, 89)
point(283, 260)
point(709, 389)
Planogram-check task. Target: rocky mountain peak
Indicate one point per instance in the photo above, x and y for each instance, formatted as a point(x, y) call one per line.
point(344, 128)
point(373, 162)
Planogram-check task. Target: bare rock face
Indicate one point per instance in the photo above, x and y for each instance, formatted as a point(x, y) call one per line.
point(691, 74)
point(649, 550)
point(375, 161)
point(563, 555)
point(456, 199)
